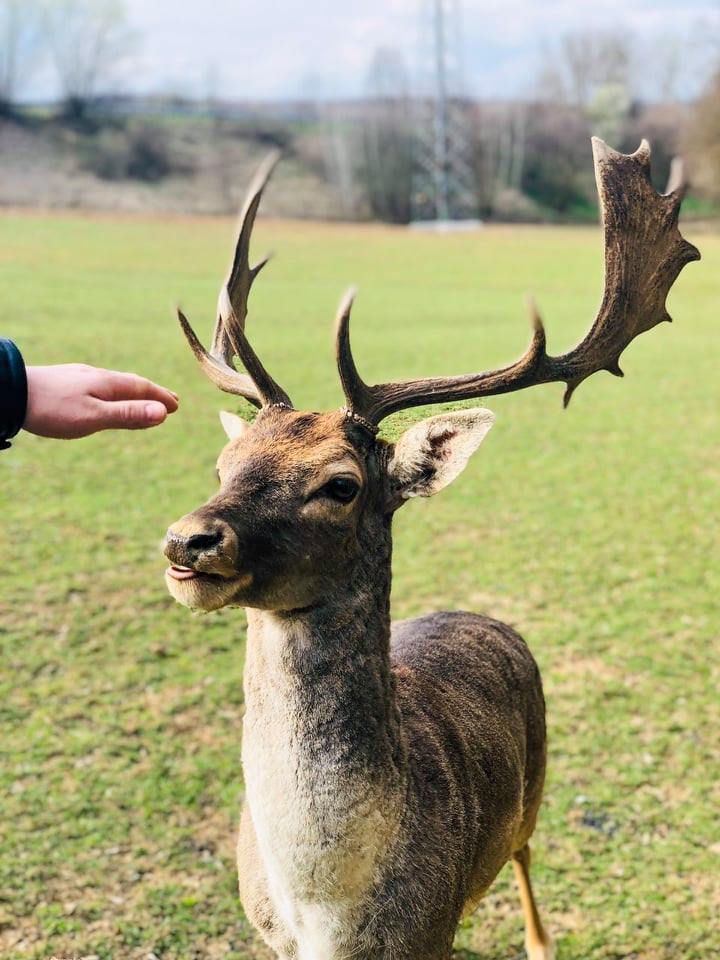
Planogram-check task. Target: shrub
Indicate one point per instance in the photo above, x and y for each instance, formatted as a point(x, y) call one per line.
point(141, 151)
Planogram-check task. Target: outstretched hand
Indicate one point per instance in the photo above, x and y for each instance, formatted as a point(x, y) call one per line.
point(74, 400)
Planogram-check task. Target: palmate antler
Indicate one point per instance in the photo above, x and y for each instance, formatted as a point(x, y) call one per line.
point(644, 253)
point(229, 334)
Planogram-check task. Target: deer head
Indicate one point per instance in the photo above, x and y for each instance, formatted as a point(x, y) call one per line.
point(302, 494)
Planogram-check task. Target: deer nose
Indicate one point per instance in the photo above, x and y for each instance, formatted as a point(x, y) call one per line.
point(189, 542)
point(202, 542)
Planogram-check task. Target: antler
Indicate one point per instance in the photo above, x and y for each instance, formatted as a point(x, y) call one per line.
point(229, 334)
point(644, 253)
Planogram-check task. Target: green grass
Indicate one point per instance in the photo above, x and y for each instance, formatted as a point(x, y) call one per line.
point(594, 530)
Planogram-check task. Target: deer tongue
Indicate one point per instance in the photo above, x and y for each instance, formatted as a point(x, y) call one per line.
point(182, 573)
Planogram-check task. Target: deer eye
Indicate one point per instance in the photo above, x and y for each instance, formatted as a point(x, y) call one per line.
point(342, 489)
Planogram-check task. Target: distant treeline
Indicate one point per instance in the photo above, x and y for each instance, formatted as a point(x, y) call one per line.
point(376, 157)
point(523, 161)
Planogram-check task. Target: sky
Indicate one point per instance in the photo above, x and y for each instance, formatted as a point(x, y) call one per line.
point(268, 49)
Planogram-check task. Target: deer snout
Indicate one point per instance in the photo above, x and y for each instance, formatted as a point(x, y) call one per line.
point(201, 545)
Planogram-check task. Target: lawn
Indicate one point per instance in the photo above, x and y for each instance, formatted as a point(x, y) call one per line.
point(595, 531)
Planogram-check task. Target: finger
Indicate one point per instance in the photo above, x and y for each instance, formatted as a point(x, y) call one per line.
point(130, 414)
point(113, 385)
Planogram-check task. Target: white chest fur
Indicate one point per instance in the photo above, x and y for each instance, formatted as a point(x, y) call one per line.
point(321, 835)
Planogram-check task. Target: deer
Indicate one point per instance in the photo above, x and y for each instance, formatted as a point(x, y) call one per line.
point(391, 770)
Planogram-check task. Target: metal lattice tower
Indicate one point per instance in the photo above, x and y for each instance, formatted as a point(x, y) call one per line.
point(445, 184)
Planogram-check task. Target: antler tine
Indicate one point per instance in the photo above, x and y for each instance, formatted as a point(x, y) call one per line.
point(235, 292)
point(225, 377)
point(644, 254)
point(380, 401)
point(272, 393)
point(357, 392)
point(677, 181)
point(229, 333)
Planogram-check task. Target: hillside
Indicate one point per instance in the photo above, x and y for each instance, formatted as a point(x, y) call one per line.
point(157, 165)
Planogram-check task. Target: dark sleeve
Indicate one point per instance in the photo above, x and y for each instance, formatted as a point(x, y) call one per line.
point(13, 392)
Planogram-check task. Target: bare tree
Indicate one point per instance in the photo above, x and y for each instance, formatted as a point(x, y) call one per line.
point(679, 65)
point(335, 142)
point(19, 43)
point(387, 147)
point(666, 65)
point(703, 142)
point(576, 65)
point(89, 40)
point(608, 112)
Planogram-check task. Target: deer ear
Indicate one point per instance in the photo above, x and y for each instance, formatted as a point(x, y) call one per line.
point(233, 425)
point(429, 456)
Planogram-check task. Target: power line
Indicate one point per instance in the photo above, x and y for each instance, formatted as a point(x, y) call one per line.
point(445, 187)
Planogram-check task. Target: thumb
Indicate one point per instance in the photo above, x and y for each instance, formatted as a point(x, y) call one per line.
point(131, 415)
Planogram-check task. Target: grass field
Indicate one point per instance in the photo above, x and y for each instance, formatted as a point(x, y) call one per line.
point(595, 531)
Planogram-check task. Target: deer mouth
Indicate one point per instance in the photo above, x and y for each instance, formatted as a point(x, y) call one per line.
point(204, 591)
point(178, 572)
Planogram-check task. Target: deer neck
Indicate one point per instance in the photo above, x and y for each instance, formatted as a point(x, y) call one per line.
point(327, 668)
point(323, 753)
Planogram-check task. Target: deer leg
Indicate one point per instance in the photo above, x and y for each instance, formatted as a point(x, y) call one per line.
point(538, 943)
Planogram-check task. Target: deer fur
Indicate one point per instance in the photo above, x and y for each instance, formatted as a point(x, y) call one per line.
point(390, 772)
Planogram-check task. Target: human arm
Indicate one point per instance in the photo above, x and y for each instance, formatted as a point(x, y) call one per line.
point(73, 400)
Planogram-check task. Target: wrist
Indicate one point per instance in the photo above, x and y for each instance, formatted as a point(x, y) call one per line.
point(13, 392)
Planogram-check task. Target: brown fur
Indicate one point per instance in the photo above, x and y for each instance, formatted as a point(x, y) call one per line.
point(390, 772)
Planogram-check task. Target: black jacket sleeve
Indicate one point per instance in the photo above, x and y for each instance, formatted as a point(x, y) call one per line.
point(13, 392)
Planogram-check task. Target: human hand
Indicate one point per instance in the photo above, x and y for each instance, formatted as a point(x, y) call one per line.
point(73, 400)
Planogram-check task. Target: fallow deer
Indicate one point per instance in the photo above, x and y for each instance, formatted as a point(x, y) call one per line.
point(390, 771)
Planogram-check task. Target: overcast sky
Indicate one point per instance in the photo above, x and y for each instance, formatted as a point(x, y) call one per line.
point(279, 48)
